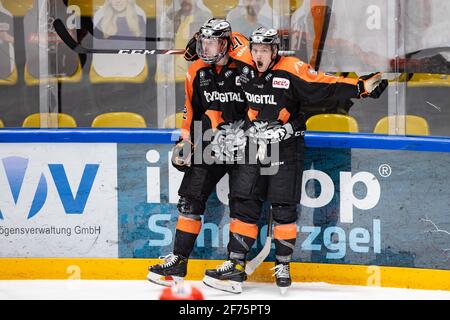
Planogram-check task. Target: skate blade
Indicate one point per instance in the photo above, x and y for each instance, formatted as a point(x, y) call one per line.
point(283, 290)
point(224, 285)
point(166, 281)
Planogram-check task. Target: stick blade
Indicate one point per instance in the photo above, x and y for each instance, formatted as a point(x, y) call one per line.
point(262, 255)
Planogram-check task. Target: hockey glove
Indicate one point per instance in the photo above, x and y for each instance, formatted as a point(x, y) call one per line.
point(269, 133)
point(279, 132)
point(190, 53)
point(181, 155)
point(371, 85)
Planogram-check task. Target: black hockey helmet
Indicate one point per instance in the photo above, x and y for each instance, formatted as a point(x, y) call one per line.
point(214, 29)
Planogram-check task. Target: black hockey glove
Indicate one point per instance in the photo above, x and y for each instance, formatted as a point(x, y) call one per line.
point(190, 53)
point(371, 85)
point(273, 132)
point(182, 155)
point(279, 132)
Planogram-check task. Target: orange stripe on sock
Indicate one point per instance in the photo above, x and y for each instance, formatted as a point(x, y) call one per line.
point(285, 231)
point(189, 225)
point(244, 229)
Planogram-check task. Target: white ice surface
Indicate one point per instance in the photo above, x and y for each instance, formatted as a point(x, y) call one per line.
point(144, 290)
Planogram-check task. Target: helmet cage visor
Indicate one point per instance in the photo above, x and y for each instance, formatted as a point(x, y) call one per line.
point(204, 48)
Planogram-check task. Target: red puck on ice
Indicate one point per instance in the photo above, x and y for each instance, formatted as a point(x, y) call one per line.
point(181, 292)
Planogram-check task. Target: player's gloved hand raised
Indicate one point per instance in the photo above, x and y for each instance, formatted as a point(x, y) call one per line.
point(371, 85)
point(181, 155)
point(190, 53)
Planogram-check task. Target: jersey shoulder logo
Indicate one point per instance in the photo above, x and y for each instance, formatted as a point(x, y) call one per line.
point(298, 66)
point(241, 51)
point(281, 83)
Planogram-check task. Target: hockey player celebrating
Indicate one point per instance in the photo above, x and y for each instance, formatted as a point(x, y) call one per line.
point(275, 88)
point(214, 100)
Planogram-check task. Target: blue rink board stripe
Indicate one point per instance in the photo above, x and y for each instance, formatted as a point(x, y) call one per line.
point(157, 136)
point(168, 136)
point(377, 141)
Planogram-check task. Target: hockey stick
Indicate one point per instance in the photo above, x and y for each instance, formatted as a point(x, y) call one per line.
point(321, 24)
point(406, 65)
point(65, 36)
point(94, 31)
point(262, 255)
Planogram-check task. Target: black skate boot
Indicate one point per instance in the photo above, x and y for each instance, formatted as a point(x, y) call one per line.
point(282, 275)
point(171, 271)
point(227, 277)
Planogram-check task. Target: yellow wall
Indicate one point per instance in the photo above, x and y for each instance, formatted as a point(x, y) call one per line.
point(88, 7)
point(136, 269)
point(17, 8)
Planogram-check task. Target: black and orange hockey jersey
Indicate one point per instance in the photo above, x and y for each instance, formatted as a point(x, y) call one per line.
point(278, 93)
point(213, 95)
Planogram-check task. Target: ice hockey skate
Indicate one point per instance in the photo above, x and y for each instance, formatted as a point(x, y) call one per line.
point(227, 277)
point(170, 272)
point(282, 276)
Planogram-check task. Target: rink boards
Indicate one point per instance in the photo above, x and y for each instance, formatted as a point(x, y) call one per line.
point(106, 210)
